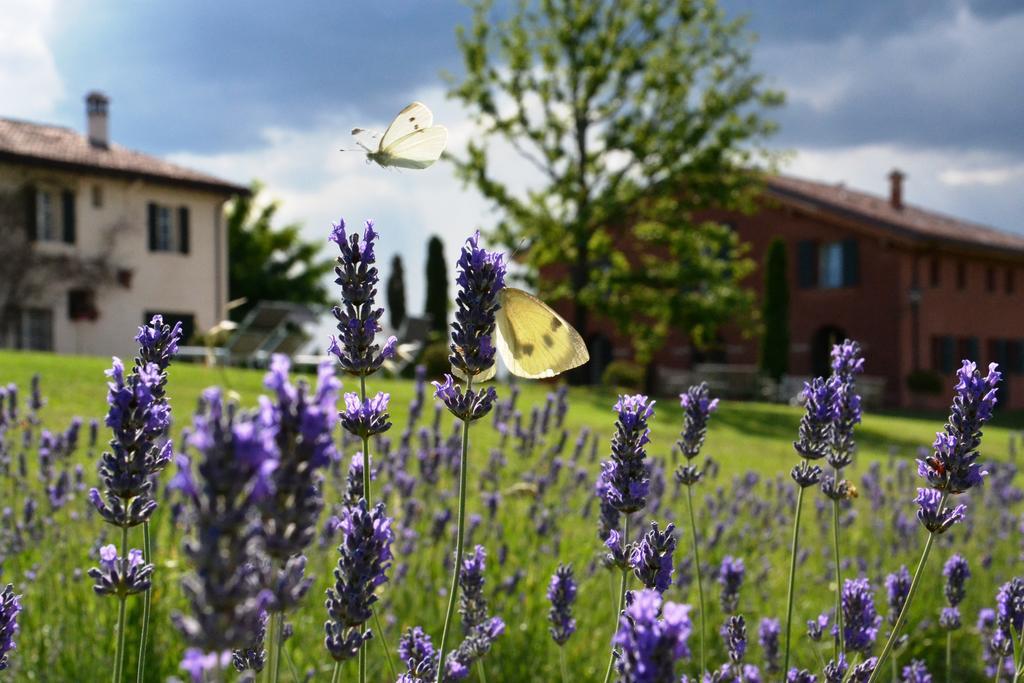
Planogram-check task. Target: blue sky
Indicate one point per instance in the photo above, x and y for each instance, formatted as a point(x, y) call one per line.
point(269, 90)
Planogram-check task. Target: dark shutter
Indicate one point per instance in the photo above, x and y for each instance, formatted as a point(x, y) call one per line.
point(806, 264)
point(973, 350)
point(152, 226)
point(183, 229)
point(851, 263)
point(68, 212)
point(30, 212)
point(948, 353)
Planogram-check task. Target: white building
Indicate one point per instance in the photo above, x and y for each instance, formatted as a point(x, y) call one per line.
point(123, 235)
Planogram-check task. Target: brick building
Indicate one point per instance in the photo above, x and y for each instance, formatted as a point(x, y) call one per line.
point(919, 290)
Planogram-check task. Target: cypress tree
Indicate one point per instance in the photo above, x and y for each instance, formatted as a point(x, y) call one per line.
point(396, 293)
point(437, 286)
point(775, 310)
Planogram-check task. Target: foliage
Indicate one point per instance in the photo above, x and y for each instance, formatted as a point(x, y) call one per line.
point(623, 374)
point(437, 303)
point(271, 263)
point(775, 312)
point(396, 293)
point(636, 115)
point(435, 359)
point(923, 381)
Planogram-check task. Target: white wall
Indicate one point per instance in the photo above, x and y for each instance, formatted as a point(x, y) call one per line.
point(193, 283)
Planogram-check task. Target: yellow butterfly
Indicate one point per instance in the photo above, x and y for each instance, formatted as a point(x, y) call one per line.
point(533, 341)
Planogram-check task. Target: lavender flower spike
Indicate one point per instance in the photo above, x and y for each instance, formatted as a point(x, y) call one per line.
point(956, 571)
point(815, 433)
point(10, 605)
point(651, 646)
point(730, 576)
point(358, 321)
point(481, 276)
point(120, 576)
point(651, 557)
point(365, 419)
point(562, 594)
point(626, 474)
point(860, 620)
point(697, 406)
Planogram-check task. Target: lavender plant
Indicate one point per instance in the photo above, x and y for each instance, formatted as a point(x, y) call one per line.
point(957, 571)
point(952, 469)
point(562, 595)
point(697, 408)
point(10, 606)
point(481, 276)
point(652, 637)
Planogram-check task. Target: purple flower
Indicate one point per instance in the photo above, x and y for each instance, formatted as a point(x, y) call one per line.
point(897, 587)
point(806, 474)
point(949, 618)
point(365, 419)
point(365, 557)
point(953, 468)
point(697, 408)
point(417, 651)
point(835, 670)
point(933, 516)
point(956, 571)
point(10, 605)
point(358, 321)
point(652, 637)
point(860, 620)
point(1010, 607)
point(915, 672)
point(608, 520)
point(847, 362)
point(618, 556)
point(198, 663)
point(730, 577)
point(734, 632)
point(821, 408)
point(562, 594)
point(768, 637)
point(121, 576)
point(158, 342)
point(468, 406)
point(651, 557)
point(480, 629)
point(480, 279)
point(816, 627)
point(626, 474)
point(252, 657)
point(225, 593)
point(800, 676)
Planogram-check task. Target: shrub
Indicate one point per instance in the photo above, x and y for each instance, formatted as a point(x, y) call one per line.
point(623, 374)
point(925, 382)
point(435, 358)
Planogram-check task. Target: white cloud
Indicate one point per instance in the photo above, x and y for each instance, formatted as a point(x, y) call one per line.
point(997, 175)
point(29, 80)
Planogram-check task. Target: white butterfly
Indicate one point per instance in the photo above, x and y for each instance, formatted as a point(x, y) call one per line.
point(411, 141)
point(532, 339)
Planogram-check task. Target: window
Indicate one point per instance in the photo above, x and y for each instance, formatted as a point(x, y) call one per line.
point(943, 354)
point(831, 265)
point(168, 229)
point(1008, 281)
point(97, 196)
point(961, 275)
point(990, 279)
point(82, 305)
point(968, 348)
point(187, 320)
point(1015, 356)
point(46, 217)
point(936, 271)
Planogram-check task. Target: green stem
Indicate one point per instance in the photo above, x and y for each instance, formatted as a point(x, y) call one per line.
point(480, 671)
point(147, 601)
point(949, 656)
point(700, 583)
point(459, 533)
point(384, 644)
point(561, 663)
point(274, 649)
point(792, 576)
point(839, 646)
point(366, 497)
point(119, 653)
point(336, 674)
point(901, 620)
point(622, 601)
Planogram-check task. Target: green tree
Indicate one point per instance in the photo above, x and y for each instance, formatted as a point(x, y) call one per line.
point(269, 263)
point(637, 115)
point(775, 312)
point(396, 292)
point(437, 286)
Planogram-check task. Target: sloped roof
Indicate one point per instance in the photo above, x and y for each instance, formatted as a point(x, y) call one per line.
point(910, 222)
point(60, 147)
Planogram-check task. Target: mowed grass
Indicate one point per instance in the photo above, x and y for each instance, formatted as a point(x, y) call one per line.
point(67, 631)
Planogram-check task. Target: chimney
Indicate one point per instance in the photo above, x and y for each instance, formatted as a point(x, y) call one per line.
point(96, 104)
point(896, 177)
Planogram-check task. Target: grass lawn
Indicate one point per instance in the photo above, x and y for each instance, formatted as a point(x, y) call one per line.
point(67, 632)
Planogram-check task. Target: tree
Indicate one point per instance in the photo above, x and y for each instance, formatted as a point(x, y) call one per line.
point(437, 302)
point(268, 263)
point(775, 312)
point(636, 115)
point(396, 292)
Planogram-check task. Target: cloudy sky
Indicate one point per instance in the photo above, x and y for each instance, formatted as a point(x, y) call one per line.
point(269, 90)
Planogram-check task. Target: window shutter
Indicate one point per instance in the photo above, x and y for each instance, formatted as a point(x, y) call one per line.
point(948, 352)
point(851, 263)
point(973, 349)
point(807, 264)
point(30, 212)
point(68, 211)
point(152, 226)
point(183, 229)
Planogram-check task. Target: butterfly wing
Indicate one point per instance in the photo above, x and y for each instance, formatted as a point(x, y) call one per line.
point(419, 149)
point(534, 341)
point(367, 139)
point(411, 119)
point(484, 376)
